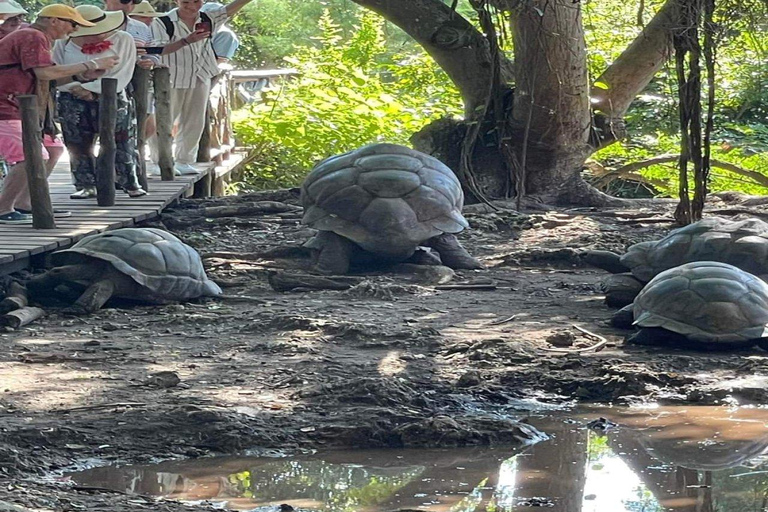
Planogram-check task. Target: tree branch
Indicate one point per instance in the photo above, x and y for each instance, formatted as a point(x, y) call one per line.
point(457, 47)
point(631, 72)
point(755, 176)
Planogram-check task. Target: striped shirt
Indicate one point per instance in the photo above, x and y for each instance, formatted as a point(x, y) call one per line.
point(142, 36)
point(194, 62)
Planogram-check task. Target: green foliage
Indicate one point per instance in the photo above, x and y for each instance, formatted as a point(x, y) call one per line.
point(350, 92)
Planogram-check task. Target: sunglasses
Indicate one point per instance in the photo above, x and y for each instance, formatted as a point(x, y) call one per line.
point(74, 24)
point(134, 2)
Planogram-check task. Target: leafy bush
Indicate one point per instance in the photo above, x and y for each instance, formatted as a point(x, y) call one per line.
point(349, 92)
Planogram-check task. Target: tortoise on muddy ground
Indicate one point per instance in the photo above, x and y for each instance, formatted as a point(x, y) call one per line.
point(704, 305)
point(743, 244)
point(383, 201)
point(141, 264)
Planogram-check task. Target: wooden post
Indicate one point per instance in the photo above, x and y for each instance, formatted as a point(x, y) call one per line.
point(105, 163)
point(162, 82)
point(203, 186)
point(204, 147)
point(37, 180)
point(140, 95)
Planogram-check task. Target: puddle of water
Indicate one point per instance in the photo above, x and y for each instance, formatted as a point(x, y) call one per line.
point(681, 459)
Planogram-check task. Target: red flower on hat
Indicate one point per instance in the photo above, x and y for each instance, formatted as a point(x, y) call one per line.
point(92, 48)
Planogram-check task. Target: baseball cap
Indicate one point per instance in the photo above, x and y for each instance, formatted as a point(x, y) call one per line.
point(64, 12)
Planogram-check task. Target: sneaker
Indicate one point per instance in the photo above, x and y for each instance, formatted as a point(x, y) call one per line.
point(136, 193)
point(154, 170)
point(86, 193)
point(187, 168)
point(15, 217)
point(57, 214)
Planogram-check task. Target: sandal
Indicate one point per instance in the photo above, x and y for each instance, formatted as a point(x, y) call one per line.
point(136, 193)
point(86, 193)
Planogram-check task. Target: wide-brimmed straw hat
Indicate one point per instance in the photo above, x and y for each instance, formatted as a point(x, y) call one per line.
point(145, 9)
point(103, 21)
point(11, 8)
point(64, 12)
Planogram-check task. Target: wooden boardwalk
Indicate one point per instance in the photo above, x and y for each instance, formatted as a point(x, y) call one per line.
point(18, 243)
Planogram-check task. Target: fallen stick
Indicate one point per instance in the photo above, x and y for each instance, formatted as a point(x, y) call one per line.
point(278, 252)
point(472, 287)
point(21, 317)
point(16, 298)
point(283, 282)
point(255, 208)
point(102, 406)
point(596, 347)
point(240, 298)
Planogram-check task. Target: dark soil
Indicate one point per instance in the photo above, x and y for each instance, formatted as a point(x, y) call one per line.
point(390, 362)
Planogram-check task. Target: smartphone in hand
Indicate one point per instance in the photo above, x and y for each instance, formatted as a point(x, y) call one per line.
point(153, 50)
point(203, 26)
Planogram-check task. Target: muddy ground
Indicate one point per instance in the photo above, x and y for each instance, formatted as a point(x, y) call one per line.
point(392, 361)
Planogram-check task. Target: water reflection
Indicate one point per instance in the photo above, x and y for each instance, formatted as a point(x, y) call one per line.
point(698, 459)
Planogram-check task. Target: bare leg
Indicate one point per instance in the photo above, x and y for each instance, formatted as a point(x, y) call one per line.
point(54, 153)
point(14, 186)
point(93, 298)
point(452, 254)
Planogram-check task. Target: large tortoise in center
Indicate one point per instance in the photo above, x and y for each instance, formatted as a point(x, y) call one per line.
point(141, 264)
point(386, 200)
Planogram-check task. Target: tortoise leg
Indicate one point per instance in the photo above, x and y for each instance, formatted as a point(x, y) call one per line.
point(45, 283)
point(452, 254)
point(605, 260)
point(657, 336)
point(624, 317)
point(621, 289)
point(333, 253)
point(92, 298)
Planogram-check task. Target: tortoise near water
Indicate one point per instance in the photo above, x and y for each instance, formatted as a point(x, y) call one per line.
point(385, 200)
point(743, 244)
point(704, 304)
point(142, 264)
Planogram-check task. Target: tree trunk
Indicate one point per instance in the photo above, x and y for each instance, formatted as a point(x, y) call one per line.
point(548, 127)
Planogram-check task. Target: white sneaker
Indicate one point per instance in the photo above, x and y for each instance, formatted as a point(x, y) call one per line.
point(186, 168)
point(154, 170)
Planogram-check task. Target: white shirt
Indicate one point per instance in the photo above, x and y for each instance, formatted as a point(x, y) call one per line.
point(192, 63)
point(67, 52)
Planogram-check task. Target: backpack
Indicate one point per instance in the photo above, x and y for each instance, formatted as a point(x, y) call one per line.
point(170, 29)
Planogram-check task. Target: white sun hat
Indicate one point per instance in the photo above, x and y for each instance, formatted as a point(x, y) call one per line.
point(10, 8)
point(103, 21)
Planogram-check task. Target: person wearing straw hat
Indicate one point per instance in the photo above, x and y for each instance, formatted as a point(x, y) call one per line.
point(27, 67)
point(11, 16)
point(79, 106)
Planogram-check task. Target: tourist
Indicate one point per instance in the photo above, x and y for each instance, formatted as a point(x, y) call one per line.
point(186, 34)
point(79, 106)
point(11, 16)
point(26, 64)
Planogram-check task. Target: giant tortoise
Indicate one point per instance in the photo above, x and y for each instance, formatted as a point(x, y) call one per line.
point(743, 244)
point(702, 305)
point(142, 264)
point(385, 200)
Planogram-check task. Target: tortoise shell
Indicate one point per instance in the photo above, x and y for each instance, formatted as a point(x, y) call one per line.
point(743, 244)
point(157, 260)
point(386, 198)
point(705, 301)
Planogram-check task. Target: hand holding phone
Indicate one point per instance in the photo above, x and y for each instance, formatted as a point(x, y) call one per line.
point(153, 50)
point(203, 26)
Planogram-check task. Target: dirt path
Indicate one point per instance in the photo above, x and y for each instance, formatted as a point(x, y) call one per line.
point(387, 363)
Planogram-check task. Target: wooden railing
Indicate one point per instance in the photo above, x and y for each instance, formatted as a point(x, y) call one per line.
point(216, 144)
